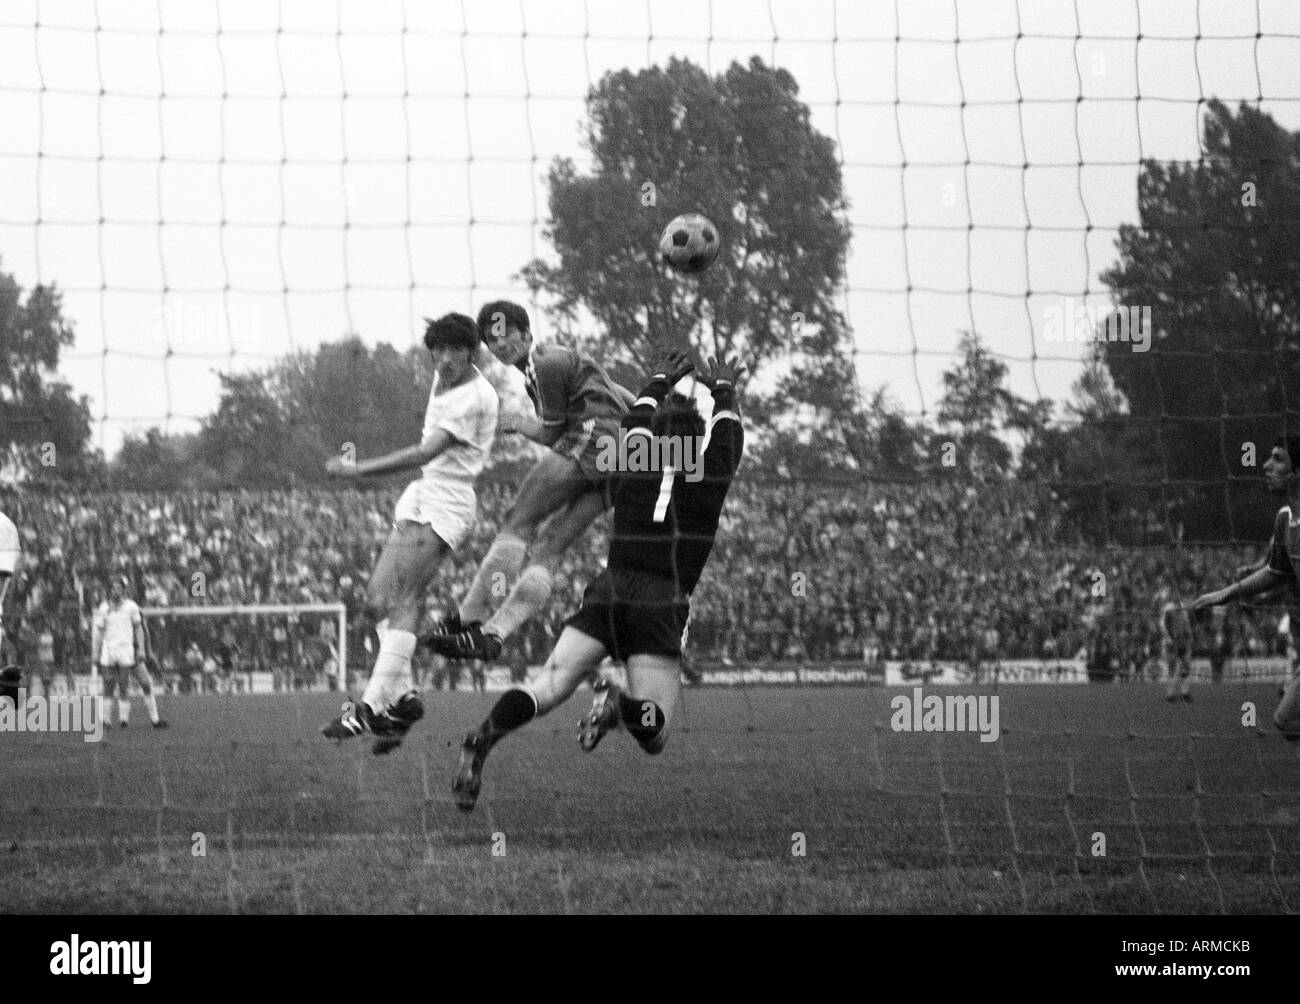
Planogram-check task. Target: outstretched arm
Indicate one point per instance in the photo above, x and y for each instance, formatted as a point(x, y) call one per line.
point(671, 366)
point(530, 427)
point(726, 435)
point(399, 460)
point(1261, 581)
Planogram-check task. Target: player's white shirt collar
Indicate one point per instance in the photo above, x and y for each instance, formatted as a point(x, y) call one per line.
point(437, 380)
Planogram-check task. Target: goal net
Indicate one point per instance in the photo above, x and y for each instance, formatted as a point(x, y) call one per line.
point(261, 648)
point(214, 186)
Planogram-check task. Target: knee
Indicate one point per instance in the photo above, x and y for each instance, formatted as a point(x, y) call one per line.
point(521, 526)
point(546, 552)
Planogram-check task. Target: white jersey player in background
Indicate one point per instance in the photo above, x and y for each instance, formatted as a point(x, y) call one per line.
point(118, 647)
point(10, 676)
point(433, 517)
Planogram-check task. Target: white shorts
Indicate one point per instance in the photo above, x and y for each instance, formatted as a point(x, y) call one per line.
point(115, 658)
point(449, 507)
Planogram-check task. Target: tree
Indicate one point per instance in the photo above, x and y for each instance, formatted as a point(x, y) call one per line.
point(1104, 470)
point(1215, 255)
point(279, 427)
point(154, 461)
point(246, 441)
point(740, 148)
point(44, 427)
point(977, 407)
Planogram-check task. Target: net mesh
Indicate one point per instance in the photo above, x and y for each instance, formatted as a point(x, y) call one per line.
point(213, 186)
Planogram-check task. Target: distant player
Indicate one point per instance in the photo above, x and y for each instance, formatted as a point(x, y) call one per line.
point(1282, 476)
point(118, 646)
point(42, 657)
point(228, 658)
point(1176, 646)
point(10, 549)
point(578, 407)
point(1220, 642)
point(636, 611)
point(433, 517)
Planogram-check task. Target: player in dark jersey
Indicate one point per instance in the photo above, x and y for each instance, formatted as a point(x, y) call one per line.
point(1282, 476)
point(578, 407)
point(10, 676)
point(636, 611)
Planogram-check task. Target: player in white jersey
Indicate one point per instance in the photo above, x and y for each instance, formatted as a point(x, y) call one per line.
point(433, 517)
point(10, 676)
point(118, 647)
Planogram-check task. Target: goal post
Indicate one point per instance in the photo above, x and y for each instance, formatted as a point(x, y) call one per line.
point(289, 611)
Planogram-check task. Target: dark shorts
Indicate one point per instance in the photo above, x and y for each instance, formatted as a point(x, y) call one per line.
point(582, 444)
point(635, 615)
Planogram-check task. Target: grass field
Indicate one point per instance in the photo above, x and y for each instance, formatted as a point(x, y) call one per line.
point(1199, 813)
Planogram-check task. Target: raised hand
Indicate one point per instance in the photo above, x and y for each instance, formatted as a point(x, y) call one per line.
point(727, 371)
point(673, 363)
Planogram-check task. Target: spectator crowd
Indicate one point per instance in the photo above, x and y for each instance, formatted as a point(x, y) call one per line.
point(801, 571)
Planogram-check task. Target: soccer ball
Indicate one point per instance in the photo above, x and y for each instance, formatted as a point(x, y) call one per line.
point(689, 243)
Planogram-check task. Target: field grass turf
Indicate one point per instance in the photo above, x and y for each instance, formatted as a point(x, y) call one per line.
point(1198, 812)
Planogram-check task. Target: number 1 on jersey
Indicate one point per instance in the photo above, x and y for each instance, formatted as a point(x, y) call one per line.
point(665, 492)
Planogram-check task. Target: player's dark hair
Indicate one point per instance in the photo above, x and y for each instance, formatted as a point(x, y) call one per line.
point(677, 416)
point(451, 331)
point(513, 315)
point(1292, 446)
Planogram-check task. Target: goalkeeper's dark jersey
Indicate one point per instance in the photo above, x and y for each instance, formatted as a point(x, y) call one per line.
point(1284, 548)
point(664, 523)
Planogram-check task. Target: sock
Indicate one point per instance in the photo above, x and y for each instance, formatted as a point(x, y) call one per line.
point(501, 564)
point(391, 677)
point(151, 706)
point(514, 709)
point(528, 596)
point(635, 713)
point(123, 711)
point(381, 629)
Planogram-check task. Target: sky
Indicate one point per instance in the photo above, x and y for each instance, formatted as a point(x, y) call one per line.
point(213, 183)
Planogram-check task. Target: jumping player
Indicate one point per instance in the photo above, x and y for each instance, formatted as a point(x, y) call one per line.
point(635, 611)
point(578, 408)
point(433, 517)
point(118, 645)
point(1282, 476)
